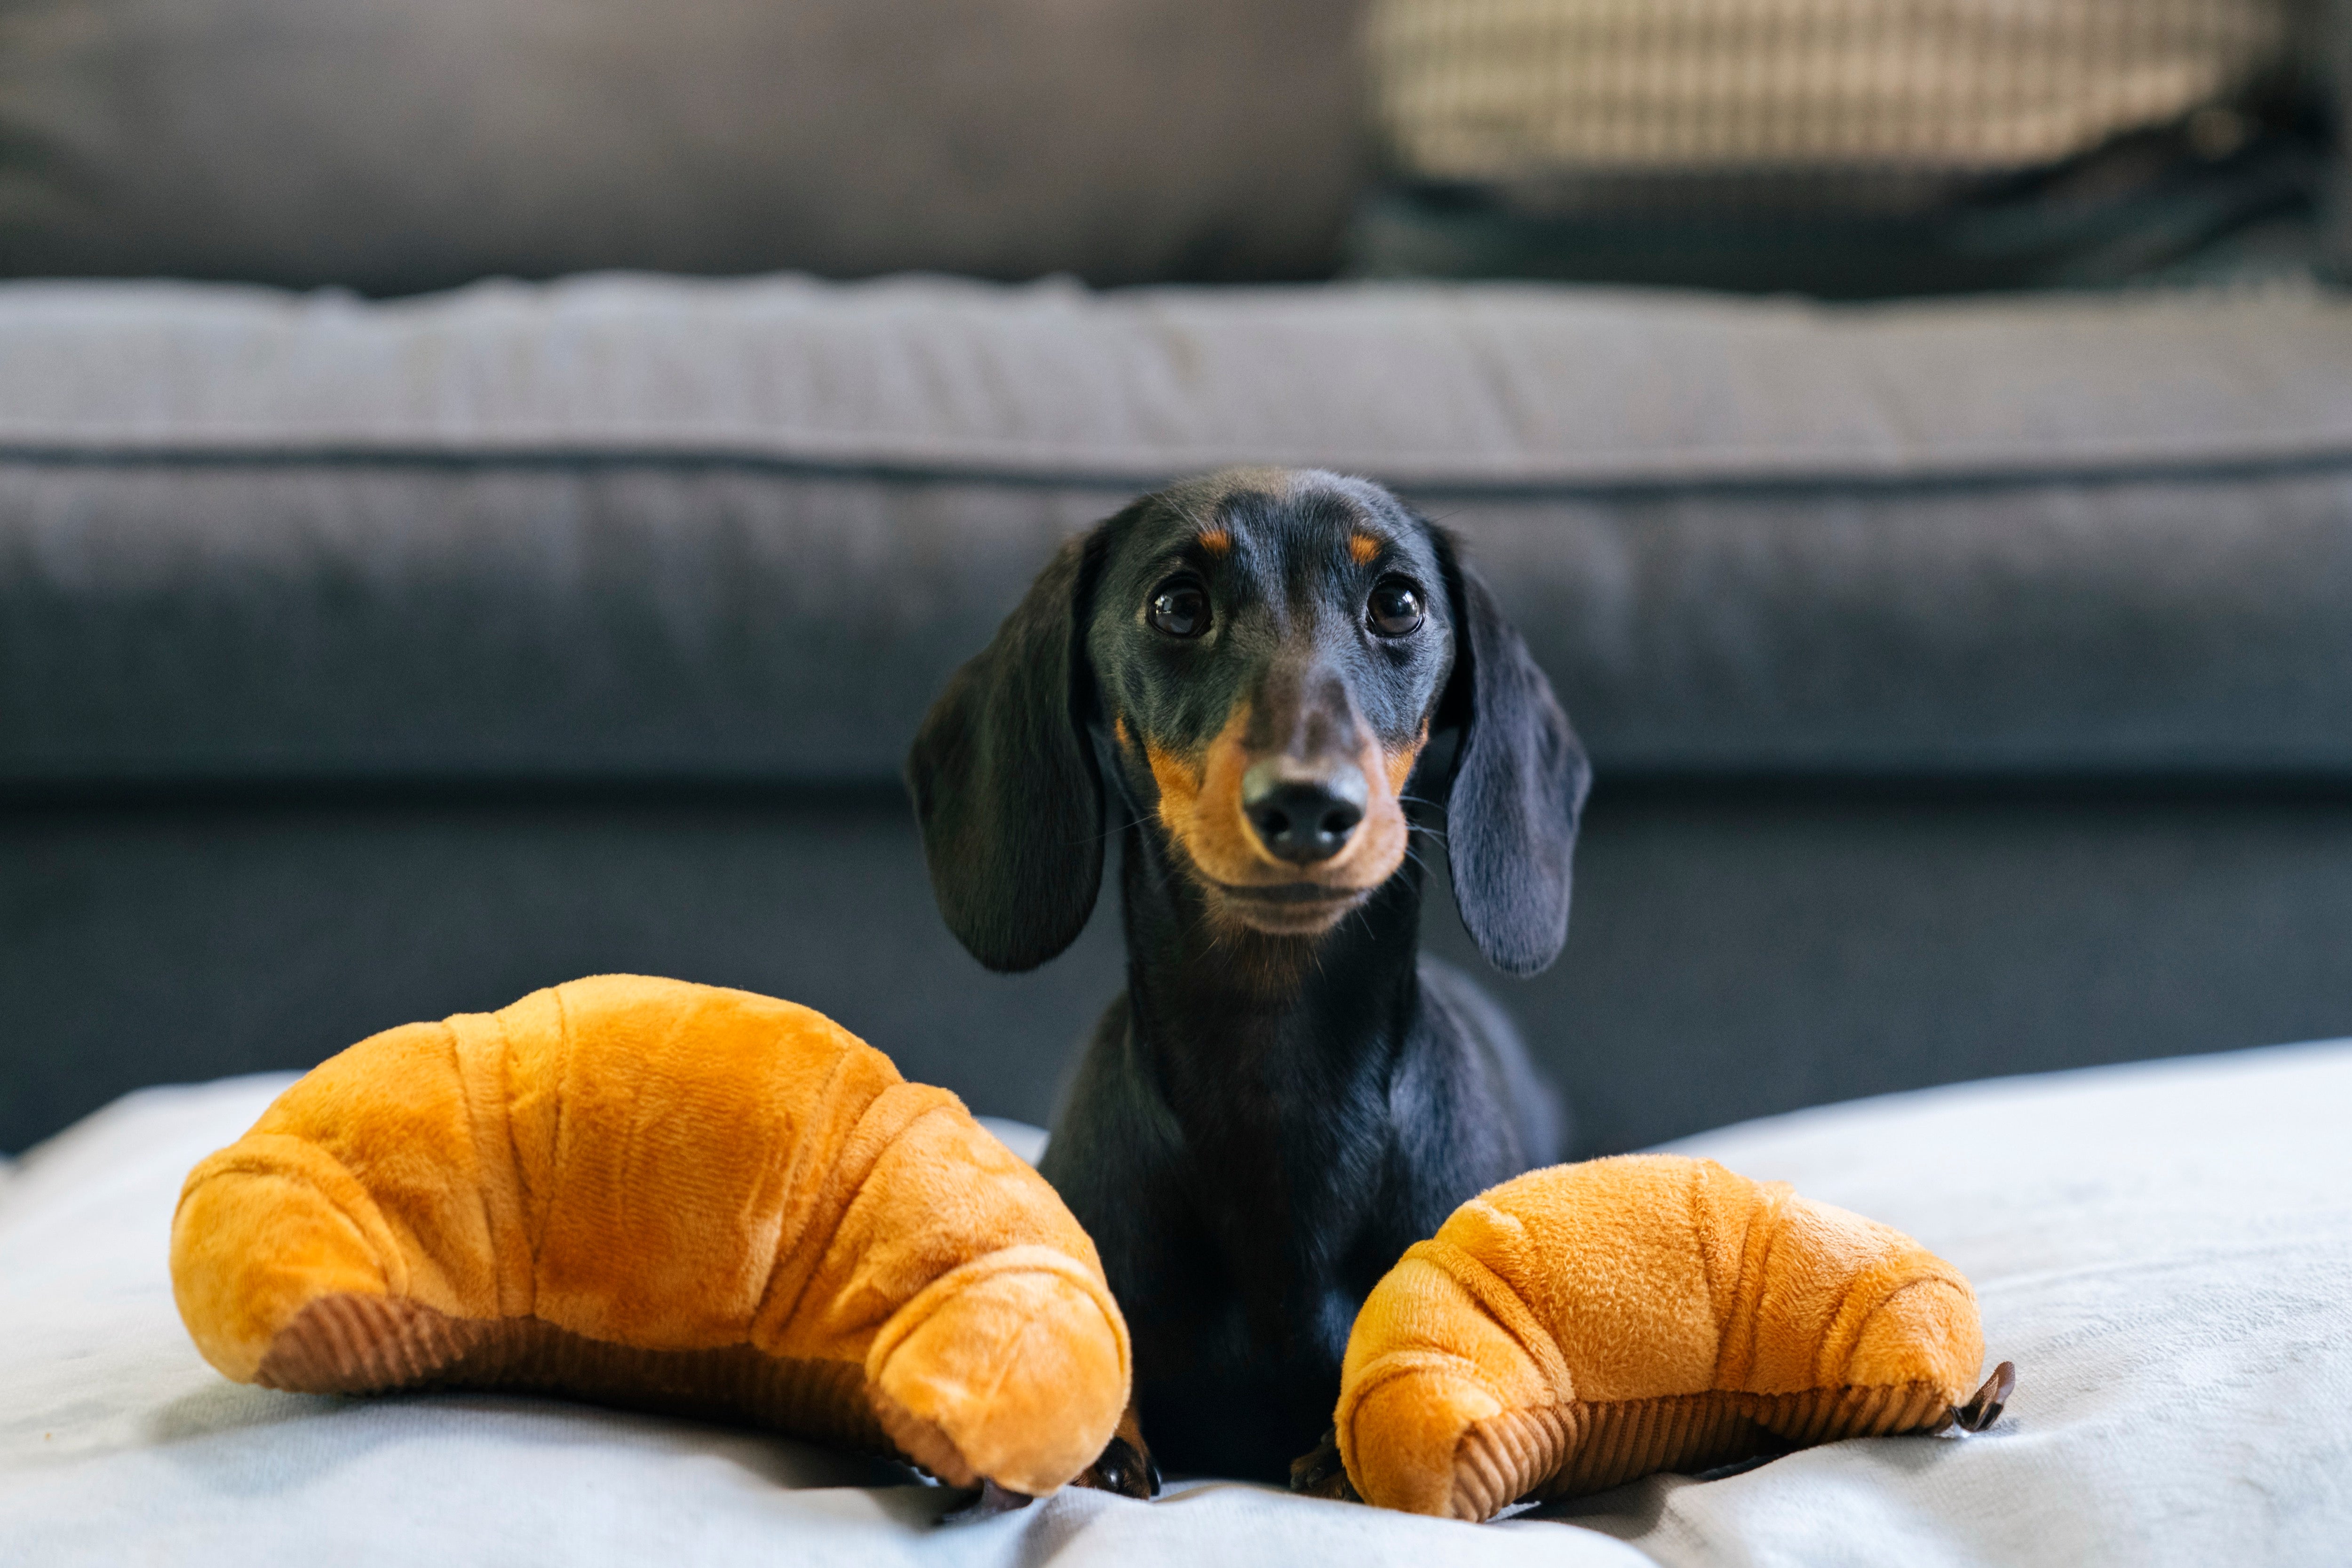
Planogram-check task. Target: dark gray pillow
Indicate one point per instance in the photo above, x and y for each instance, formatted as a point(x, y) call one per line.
point(397, 145)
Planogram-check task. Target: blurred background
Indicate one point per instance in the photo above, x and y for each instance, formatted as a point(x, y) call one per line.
point(489, 486)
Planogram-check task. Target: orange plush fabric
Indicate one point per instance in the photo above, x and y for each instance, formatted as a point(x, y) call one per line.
point(1583, 1325)
point(656, 1193)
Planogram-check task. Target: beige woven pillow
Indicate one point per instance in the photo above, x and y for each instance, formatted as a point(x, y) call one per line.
point(1500, 89)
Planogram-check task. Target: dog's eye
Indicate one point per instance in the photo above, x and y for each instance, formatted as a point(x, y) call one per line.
point(1179, 609)
point(1395, 609)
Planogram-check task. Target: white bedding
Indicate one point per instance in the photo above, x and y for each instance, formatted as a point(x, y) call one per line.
point(2165, 1251)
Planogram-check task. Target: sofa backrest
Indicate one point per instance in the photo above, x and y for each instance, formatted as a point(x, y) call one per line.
point(399, 145)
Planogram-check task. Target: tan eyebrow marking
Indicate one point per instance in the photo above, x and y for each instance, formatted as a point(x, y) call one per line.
point(1118, 728)
point(1364, 548)
point(1215, 541)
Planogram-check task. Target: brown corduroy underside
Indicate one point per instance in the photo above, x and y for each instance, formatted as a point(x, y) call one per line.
point(370, 1344)
point(1569, 1450)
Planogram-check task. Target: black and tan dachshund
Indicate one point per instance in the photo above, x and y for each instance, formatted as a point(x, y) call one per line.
point(1264, 684)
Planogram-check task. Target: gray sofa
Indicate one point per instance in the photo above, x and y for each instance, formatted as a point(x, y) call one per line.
point(1969, 683)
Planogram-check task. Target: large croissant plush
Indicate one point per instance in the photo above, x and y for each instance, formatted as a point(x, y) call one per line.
point(655, 1193)
point(1587, 1324)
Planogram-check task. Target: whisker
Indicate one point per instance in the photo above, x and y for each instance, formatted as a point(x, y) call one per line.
point(1217, 933)
point(1108, 834)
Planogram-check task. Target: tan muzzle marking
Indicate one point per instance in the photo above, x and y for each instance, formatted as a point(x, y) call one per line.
point(1201, 808)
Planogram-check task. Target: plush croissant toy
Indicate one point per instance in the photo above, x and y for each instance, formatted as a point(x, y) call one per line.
point(653, 1193)
point(1587, 1324)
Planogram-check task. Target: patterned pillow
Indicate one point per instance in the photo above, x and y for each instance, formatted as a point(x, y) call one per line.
point(1487, 91)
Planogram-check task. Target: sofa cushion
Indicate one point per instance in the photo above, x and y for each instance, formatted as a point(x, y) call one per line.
point(621, 527)
point(419, 144)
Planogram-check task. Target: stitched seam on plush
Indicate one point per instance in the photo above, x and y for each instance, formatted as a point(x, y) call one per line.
point(536, 1201)
point(300, 1158)
point(556, 1162)
point(521, 1189)
point(838, 1188)
point(477, 1042)
point(1506, 1305)
point(804, 1191)
point(1833, 1350)
point(1845, 1338)
point(1026, 1258)
point(1735, 1358)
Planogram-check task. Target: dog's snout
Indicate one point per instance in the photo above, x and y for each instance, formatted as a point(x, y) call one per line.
point(1303, 813)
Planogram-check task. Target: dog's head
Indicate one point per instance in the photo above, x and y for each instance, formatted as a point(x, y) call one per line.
point(1270, 666)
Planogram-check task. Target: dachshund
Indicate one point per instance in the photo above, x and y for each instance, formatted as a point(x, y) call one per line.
point(1264, 684)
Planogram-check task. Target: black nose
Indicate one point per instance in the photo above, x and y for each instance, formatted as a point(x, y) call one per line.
point(1303, 813)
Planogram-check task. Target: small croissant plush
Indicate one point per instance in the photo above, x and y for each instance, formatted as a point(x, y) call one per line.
point(651, 1192)
point(1584, 1325)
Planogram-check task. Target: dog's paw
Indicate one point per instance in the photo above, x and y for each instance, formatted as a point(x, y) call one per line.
point(1125, 1468)
point(1321, 1473)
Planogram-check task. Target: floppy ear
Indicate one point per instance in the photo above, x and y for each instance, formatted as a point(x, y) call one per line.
point(1519, 780)
point(1004, 782)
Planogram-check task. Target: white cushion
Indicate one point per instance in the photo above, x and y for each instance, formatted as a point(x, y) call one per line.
point(2166, 1251)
